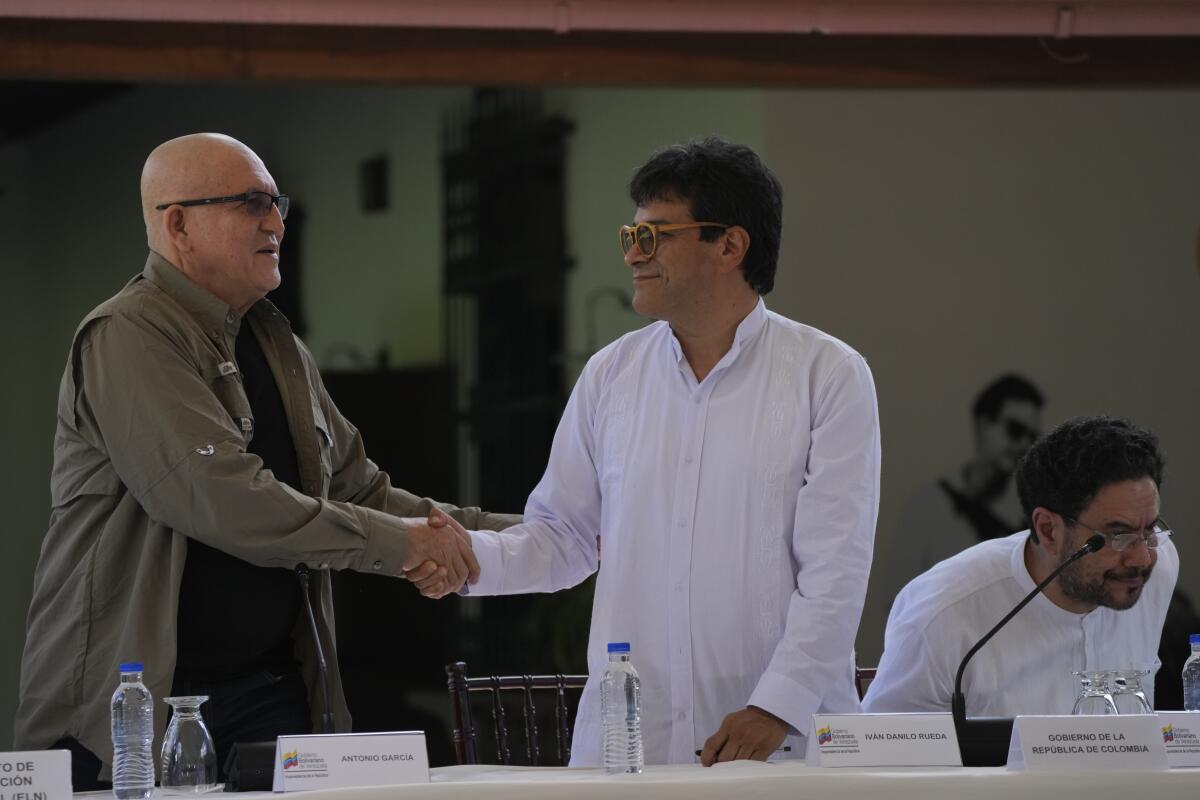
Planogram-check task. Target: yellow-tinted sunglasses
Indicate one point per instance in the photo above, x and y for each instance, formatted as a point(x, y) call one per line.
point(645, 234)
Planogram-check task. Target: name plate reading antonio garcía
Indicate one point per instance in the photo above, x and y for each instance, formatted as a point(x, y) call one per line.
point(340, 760)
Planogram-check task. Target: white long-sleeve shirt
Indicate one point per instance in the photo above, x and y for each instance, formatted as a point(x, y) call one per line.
point(1026, 667)
point(735, 519)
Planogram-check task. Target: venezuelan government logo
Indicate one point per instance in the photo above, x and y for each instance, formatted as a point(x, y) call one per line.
point(1168, 734)
point(291, 759)
point(825, 735)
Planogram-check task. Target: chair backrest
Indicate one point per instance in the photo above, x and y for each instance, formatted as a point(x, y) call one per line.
point(466, 745)
point(863, 676)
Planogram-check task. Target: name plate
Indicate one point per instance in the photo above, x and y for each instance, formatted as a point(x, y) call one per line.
point(883, 740)
point(1102, 742)
point(1181, 736)
point(339, 760)
point(35, 775)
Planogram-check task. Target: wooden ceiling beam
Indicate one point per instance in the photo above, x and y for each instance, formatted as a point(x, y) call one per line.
point(154, 52)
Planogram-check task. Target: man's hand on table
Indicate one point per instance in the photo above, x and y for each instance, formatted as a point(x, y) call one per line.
point(749, 733)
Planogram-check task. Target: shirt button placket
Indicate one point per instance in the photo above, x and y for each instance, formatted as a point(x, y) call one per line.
point(687, 486)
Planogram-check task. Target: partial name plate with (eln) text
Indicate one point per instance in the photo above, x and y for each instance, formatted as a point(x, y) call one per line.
point(35, 775)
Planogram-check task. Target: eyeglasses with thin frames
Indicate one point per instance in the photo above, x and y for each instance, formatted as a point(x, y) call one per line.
point(645, 234)
point(256, 203)
point(1157, 533)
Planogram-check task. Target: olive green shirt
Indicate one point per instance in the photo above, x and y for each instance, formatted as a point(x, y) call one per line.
point(150, 449)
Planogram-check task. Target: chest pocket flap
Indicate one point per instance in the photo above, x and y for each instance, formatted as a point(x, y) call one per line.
point(226, 383)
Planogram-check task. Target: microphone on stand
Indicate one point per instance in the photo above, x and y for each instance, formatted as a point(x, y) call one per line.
point(250, 765)
point(327, 715)
point(983, 741)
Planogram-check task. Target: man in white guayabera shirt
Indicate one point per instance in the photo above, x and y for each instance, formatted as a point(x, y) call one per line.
point(1089, 475)
point(720, 468)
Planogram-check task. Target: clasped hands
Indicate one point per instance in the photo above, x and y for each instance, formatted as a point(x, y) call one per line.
point(439, 558)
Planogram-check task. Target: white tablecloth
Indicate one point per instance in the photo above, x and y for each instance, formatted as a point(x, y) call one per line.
point(746, 780)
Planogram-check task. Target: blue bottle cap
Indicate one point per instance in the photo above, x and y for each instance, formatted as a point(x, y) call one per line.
point(1193, 640)
point(131, 666)
point(618, 647)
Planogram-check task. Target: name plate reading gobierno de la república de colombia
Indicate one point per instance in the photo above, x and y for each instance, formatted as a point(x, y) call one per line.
point(1107, 741)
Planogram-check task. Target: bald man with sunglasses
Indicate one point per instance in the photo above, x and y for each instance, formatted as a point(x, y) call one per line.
point(198, 462)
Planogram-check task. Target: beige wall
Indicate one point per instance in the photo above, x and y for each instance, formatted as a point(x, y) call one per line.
point(950, 236)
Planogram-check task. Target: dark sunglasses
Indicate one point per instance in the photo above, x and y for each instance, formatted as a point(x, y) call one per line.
point(255, 203)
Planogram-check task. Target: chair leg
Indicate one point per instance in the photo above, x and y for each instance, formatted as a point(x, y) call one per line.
point(531, 732)
point(465, 751)
point(562, 732)
point(501, 727)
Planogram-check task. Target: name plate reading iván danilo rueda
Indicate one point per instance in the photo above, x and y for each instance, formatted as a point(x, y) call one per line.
point(339, 760)
point(35, 775)
point(1108, 741)
point(883, 740)
point(1181, 736)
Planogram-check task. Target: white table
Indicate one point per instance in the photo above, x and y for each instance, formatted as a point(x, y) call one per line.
point(746, 780)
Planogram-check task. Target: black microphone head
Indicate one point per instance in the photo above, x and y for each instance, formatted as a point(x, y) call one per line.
point(1095, 542)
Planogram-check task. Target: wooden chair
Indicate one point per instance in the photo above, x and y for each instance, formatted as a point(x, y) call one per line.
point(466, 747)
point(863, 676)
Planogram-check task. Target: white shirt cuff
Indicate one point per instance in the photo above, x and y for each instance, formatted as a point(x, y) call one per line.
point(786, 699)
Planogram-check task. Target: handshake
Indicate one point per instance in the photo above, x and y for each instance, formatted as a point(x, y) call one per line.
point(439, 558)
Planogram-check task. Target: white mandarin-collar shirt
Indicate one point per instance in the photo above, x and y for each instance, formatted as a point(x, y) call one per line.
point(734, 519)
point(1026, 667)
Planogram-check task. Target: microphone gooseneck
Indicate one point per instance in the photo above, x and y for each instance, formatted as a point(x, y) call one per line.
point(327, 714)
point(958, 703)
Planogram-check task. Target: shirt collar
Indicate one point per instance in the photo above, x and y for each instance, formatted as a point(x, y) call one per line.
point(1026, 582)
point(747, 330)
point(212, 312)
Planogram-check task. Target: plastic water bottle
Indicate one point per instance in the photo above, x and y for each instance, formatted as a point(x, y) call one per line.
point(1191, 676)
point(132, 736)
point(621, 712)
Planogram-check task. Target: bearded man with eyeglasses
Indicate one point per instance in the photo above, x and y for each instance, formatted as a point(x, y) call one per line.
point(1090, 475)
point(198, 461)
point(720, 469)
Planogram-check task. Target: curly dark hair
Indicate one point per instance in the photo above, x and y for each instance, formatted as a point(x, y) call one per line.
point(721, 182)
point(1065, 469)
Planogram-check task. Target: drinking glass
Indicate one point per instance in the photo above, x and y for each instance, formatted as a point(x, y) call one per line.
point(1093, 696)
point(1127, 691)
point(189, 760)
